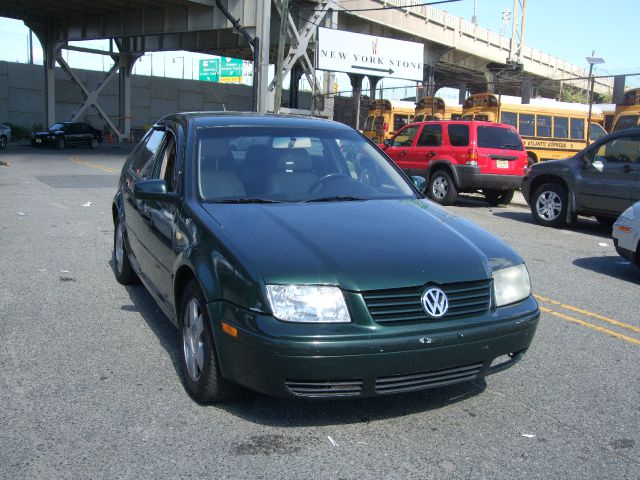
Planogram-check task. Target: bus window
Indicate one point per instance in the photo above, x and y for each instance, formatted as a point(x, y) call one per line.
point(431, 136)
point(481, 118)
point(399, 121)
point(526, 125)
point(418, 118)
point(560, 127)
point(368, 123)
point(595, 132)
point(626, 121)
point(577, 128)
point(543, 126)
point(510, 118)
point(456, 116)
point(458, 135)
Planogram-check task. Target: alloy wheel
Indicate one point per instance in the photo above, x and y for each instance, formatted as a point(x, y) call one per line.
point(440, 188)
point(193, 339)
point(549, 205)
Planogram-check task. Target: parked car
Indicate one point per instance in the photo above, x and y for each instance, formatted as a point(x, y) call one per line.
point(297, 260)
point(602, 180)
point(68, 133)
point(5, 136)
point(626, 233)
point(461, 156)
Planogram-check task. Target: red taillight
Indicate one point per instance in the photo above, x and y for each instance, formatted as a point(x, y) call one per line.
point(472, 156)
point(385, 127)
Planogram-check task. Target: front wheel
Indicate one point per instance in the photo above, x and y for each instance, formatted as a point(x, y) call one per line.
point(442, 189)
point(498, 197)
point(94, 143)
point(3, 142)
point(549, 205)
point(60, 144)
point(199, 360)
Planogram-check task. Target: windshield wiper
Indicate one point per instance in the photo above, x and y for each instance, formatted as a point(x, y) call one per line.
point(337, 198)
point(245, 200)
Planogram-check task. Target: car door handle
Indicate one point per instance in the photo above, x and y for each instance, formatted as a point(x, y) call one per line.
point(627, 169)
point(403, 153)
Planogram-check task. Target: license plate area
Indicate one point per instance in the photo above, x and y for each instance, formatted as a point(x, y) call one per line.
point(38, 140)
point(502, 163)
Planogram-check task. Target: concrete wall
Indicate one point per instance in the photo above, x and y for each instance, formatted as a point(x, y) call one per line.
point(22, 96)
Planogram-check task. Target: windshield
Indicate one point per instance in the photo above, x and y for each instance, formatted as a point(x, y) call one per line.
point(368, 123)
point(499, 137)
point(276, 164)
point(56, 126)
point(626, 121)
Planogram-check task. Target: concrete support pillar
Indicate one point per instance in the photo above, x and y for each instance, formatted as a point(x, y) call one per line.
point(50, 50)
point(356, 85)
point(373, 84)
point(462, 95)
point(491, 79)
point(263, 32)
point(126, 62)
point(526, 91)
point(429, 80)
point(294, 86)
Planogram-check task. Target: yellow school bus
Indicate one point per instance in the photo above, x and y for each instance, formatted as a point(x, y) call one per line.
point(549, 129)
point(608, 111)
point(435, 108)
point(628, 112)
point(386, 117)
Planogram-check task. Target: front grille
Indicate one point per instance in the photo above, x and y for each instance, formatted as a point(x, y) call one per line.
point(419, 381)
point(404, 304)
point(325, 388)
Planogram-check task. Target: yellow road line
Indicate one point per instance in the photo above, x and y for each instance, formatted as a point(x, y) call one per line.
point(626, 338)
point(95, 165)
point(633, 328)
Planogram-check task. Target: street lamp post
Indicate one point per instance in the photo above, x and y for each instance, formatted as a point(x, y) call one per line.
point(591, 61)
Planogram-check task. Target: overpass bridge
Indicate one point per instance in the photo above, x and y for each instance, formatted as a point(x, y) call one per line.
point(457, 54)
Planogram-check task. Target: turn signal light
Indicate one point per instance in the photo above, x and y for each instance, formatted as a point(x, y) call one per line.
point(624, 228)
point(472, 156)
point(228, 329)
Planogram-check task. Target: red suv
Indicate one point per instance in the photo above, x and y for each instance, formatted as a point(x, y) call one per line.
point(461, 156)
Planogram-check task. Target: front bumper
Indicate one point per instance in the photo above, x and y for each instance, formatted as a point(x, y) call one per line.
point(294, 361)
point(470, 177)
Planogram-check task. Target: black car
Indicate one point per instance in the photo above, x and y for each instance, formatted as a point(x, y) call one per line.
point(603, 180)
point(297, 260)
point(68, 133)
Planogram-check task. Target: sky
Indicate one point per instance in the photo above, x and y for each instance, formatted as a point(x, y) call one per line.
point(567, 29)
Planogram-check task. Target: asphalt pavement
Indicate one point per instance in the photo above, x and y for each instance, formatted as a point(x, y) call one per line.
point(90, 384)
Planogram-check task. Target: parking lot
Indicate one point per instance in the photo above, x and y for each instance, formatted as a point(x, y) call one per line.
point(90, 384)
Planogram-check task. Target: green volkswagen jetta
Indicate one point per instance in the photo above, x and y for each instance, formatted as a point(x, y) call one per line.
point(296, 259)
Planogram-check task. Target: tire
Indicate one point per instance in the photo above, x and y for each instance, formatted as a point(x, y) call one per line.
point(605, 221)
point(60, 144)
point(3, 142)
point(442, 190)
point(549, 205)
point(531, 159)
point(199, 358)
point(498, 197)
point(93, 143)
point(121, 265)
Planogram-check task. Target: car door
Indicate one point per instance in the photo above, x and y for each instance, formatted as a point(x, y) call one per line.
point(71, 134)
point(85, 133)
point(141, 168)
point(401, 144)
point(159, 218)
point(427, 148)
point(610, 176)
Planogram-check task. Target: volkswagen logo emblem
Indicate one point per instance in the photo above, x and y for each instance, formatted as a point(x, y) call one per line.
point(435, 302)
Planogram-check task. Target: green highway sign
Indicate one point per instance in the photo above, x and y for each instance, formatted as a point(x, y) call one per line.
point(209, 70)
point(230, 70)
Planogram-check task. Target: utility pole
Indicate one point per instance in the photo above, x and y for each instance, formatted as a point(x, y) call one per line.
point(283, 34)
point(517, 31)
point(474, 19)
point(592, 60)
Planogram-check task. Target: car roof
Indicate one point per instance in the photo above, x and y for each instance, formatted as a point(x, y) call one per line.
point(213, 119)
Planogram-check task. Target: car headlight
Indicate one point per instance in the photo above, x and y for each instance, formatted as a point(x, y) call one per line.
point(511, 285)
point(308, 303)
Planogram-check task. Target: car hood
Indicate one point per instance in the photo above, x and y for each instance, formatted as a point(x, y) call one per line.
point(48, 132)
point(360, 245)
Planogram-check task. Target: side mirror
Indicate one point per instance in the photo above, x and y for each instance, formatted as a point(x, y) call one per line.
point(155, 190)
point(419, 182)
point(387, 142)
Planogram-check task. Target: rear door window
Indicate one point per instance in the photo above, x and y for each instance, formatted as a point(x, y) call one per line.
point(499, 138)
point(431, 136)
point(526, 125)
point(458, 135)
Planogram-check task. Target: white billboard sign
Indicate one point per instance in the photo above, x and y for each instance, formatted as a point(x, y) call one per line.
point(340, 51)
